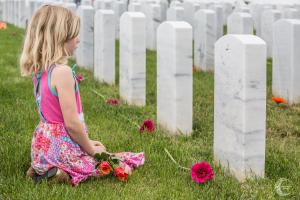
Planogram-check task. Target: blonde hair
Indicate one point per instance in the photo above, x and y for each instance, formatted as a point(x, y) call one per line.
point(48, 31)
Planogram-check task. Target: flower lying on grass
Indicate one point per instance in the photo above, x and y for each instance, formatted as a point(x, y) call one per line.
point(108, 163)
point(148, 124)
point(112, 101)
point(200, 172)
point(109, 101)
point(79, 78)
point(278, 100)
point(3, 25)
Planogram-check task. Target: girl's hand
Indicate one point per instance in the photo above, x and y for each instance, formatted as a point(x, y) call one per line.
point(96, 143)
point(99, 149)
point(98, 146)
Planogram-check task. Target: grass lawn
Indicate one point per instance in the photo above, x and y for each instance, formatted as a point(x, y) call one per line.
point(159, 178)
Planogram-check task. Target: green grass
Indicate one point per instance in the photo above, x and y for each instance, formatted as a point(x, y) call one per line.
point(158, 178)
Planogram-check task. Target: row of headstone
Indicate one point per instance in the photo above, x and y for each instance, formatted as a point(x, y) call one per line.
point(19, 12)
point(240, 86)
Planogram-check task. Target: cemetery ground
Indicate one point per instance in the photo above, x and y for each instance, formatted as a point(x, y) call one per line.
point(159, 178)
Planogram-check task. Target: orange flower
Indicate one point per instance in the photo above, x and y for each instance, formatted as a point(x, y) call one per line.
point(278, 100)
point(3, 25)
point(105, 168)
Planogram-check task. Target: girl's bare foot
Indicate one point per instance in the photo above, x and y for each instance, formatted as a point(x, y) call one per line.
point(61, 177)
point(30, 172)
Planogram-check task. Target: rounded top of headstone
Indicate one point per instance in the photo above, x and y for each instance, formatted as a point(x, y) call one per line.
point(174, 25)
point(86, 7)
point(272, 11)
point(287, 21)
point(241, 14)
point(208, 11)
point(243, 39)
point(105, 11)
point(133, 15)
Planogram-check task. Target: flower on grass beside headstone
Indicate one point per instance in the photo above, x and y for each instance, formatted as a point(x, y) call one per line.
point(110, 164)
point(280, 102)
point(201, 172)
point(112, 101)
point(3, 25)
point(148, 125)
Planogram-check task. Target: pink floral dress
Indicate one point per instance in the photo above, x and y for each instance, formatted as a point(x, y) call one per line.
point(52, 145)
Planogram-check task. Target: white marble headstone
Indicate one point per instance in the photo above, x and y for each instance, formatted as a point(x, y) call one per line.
point(176, 3)
point(2, 4)
point(154, 19)
point(291, 13)
point(135, 7)
point(205, 36)
point(256, 11)
point(220, 19)
point(70, 6)
point(119, 9)
point(268, 18)
point(240, 23)
point(190, 8)
point(104, 41)
point(86, 2)
point(175, 14)
point(22, 14)
point(174, 77)
point(286, 60)
point(228, 9)
point(133, 58)
point(85, 50)
point(240, 105)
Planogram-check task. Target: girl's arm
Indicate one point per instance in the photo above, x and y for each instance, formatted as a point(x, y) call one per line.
point(63, 81)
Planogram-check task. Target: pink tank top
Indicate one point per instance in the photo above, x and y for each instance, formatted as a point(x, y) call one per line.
point(47, 98)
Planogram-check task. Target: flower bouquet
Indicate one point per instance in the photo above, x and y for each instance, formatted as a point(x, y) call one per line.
point(110, 164)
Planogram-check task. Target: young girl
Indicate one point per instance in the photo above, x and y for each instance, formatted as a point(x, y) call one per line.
point(60, 144)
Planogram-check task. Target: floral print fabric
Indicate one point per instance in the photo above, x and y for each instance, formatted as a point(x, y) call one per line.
point(52, 146)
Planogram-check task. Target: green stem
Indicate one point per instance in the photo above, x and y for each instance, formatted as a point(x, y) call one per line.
point(100, 95)
point(174, 161)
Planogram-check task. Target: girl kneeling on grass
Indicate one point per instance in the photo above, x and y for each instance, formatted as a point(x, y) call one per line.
point(60, 147)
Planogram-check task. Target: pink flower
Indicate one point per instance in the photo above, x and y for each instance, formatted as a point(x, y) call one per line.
point(149, 125)
point(79, 78)
point(113, 102)
point(202, 172)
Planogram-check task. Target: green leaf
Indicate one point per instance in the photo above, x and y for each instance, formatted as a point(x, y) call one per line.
point(97, 157)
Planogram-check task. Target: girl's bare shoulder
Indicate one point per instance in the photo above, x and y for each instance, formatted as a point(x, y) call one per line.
point(62, 73)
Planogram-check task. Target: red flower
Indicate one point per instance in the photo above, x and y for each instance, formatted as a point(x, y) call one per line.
point(278, 100)
point(149, 125)
point(202, 172)
point(105, 168)
point(113, 102)
point(120, 174)
point(79, 78)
